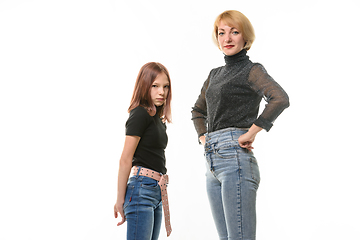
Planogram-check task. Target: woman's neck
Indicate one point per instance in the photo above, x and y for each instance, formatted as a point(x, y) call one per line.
point(236, 58)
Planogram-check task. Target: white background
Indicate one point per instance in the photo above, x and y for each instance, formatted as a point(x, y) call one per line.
point(67, 71)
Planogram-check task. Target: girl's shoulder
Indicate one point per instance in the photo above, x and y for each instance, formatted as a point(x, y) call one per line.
point(140, 114)
point(139, 119)
point(139, 110)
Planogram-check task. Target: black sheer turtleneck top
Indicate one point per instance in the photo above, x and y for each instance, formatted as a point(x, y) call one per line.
point(231, 95)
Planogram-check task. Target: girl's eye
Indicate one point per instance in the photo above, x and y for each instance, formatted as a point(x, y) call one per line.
point(154, 86)
point(167, 86)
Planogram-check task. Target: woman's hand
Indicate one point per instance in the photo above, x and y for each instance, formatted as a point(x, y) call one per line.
point(118, 208)
point(202, 140)
point(246, 140)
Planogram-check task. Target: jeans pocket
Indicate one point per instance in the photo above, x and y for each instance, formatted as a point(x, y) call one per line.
point(227, 150)
point(150, 192)
point(255, 173)
point(149, 183)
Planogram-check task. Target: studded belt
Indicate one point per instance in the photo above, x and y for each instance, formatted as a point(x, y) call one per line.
point(162, 181)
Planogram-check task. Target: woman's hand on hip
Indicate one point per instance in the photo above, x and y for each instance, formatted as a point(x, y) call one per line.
point(246, 140)
point(202, 140)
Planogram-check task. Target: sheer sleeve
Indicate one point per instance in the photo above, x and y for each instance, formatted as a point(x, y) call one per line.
point(199, 111)
point(275, 96)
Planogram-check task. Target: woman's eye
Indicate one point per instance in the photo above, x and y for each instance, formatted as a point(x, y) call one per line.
point(221, 33)
point(235, 32)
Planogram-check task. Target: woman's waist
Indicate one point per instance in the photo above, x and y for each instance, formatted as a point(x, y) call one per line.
point(224, 136)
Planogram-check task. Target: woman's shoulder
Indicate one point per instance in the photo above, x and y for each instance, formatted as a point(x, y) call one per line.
point(257, 68)
point(257, 65)
point(216, 70)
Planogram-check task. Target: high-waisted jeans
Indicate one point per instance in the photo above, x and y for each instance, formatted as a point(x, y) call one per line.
point(232, 179)
point(143, 208)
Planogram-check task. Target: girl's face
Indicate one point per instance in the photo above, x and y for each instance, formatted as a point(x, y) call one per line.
point(230, 39)
point(160, 89)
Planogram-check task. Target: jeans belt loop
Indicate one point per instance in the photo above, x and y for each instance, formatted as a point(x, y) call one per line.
point(137, 172)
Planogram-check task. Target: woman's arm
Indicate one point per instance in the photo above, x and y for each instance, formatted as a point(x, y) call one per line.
point(199, 113)
point(125, 165)
point(275, 96)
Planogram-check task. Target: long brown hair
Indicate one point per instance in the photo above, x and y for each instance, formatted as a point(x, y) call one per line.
point(142, 96)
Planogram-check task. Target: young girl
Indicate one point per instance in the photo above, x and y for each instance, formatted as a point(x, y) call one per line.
point(142, 198)
point(226, 120)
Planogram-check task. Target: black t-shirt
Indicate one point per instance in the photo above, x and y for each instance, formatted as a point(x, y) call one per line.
point(150, 152)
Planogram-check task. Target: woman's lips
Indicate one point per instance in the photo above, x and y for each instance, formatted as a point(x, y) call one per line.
point(229, 46)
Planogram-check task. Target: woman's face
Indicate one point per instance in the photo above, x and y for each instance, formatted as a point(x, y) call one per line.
point(160, 89)
point(230, 39)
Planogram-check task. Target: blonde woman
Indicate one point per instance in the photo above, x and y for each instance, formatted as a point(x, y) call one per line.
point(226, 119)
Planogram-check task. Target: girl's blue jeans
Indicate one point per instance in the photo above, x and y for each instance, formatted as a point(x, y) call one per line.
point(232, 179)
point(143, 208)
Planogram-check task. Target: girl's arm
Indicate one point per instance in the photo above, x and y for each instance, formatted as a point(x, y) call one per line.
point(130, 145)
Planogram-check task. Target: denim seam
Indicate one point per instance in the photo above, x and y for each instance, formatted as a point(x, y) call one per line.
point(137, 216)
point(239, 200)
point(252, 170)
point(128, 203)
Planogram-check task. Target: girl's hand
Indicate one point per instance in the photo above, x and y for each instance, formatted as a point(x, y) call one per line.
point(130, 145)
point(118, 208)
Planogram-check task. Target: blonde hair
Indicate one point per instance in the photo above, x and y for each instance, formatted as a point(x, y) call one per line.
point(238, 20)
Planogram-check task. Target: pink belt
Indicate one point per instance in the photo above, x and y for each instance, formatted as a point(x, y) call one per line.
point(162, 181)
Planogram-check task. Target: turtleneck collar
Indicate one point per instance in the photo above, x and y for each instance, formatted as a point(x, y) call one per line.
point(236, 58)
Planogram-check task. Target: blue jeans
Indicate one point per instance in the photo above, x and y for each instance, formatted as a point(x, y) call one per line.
point(232, 179)
point(143, 208)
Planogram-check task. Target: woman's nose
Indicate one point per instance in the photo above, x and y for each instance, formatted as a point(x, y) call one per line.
point(227, 38)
